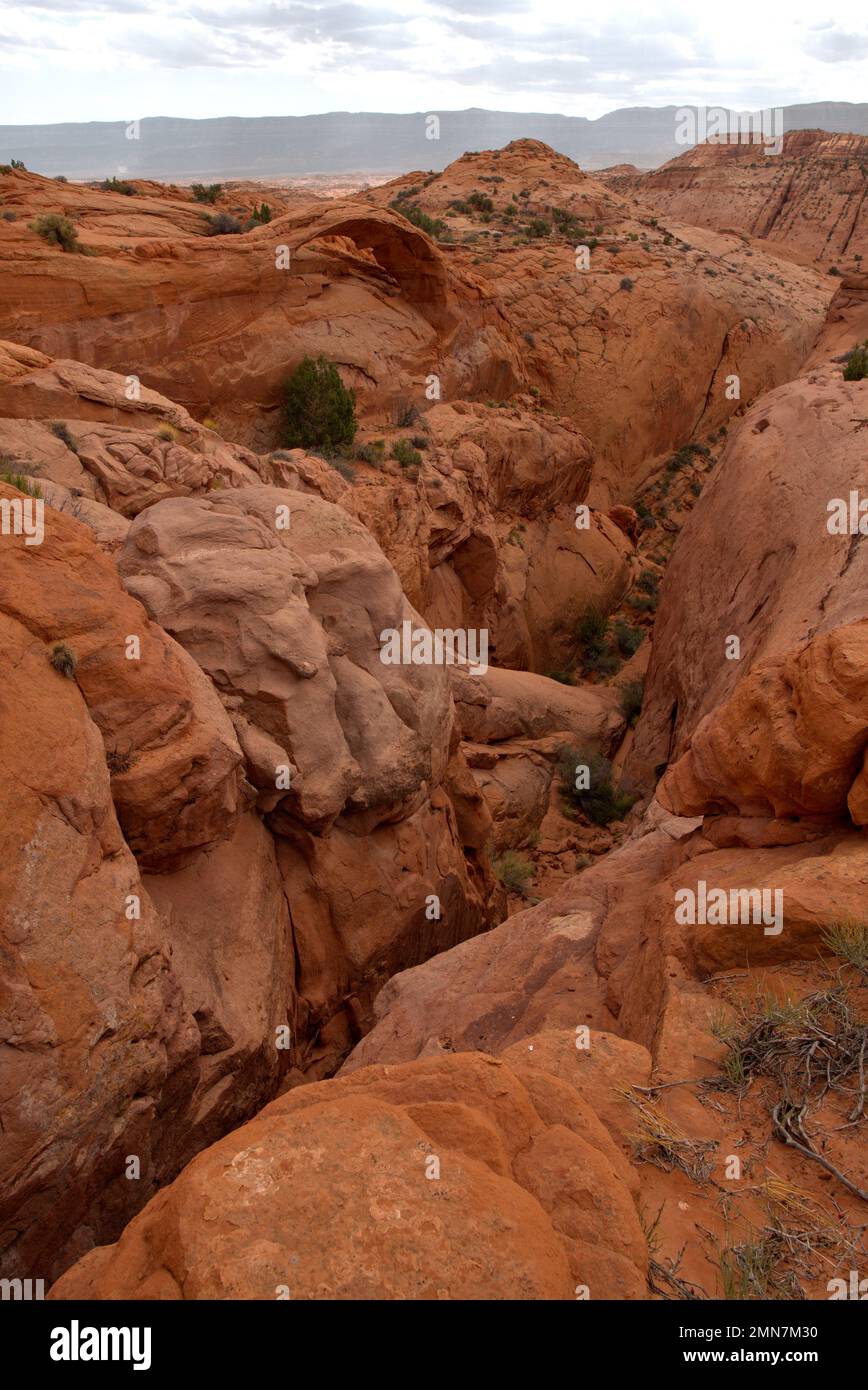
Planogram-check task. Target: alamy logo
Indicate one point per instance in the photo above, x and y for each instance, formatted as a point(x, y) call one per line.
point(23, 516)
point(23, 1290)
point(445, 646)
point(719, 907)
point(697, 124)
point(853, 1288)
point(848, 518)
point(76, 1343)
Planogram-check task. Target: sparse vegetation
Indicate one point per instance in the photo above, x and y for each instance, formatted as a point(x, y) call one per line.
point(372, 453)
point(406, 414)
point(405, 454)
point(22, 482)
point(318, 412)
point(57, 231)
point(64, 660)
point(206, 192)
point(513, 870)
point(223, 224)
point(600, 801)
point(114, 185)
point(344, 467)
point(628, 638)
point(856, 368)
point(630, 700)
point(596, 655)
point(658, 1140)
point(433, 226)
point(60, 429)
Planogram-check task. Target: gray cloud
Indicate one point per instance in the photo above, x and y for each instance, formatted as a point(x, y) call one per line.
point(832, 45)
point(63, 7)
point(200, 50)
point(306, 23)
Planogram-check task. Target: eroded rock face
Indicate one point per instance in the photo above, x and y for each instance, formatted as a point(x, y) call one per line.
point(286, 619)
point(139, 1013)
point(730, 575)
point(487, 535)
point(457, 1177)
point(176, 763)
point(348, 754)
point(97, 1051)
point(790, 741)
point(213, 322)
point(808, 196)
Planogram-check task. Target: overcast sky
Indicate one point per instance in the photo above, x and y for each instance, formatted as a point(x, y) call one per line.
point(82, 60)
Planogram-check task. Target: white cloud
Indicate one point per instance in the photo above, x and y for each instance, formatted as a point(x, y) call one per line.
point(101, 59)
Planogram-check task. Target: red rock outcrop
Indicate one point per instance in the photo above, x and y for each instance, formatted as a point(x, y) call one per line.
point(757, 561)
point(119, 1036)
point(463, 1177)
point(177, 773)
point(485, 534)
point(216, 322)
point(809, 196)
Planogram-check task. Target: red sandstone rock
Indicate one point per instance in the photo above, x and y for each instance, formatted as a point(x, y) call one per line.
point(331, 1193)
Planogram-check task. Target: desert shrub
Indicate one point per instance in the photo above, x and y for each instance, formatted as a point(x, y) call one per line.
point(63, 659)
point(57, 231)
point(568, 224)
point(167, 432)
point(630, 700)
point(513, 870)
point(591, 634)
point(206, 192)
point(564, 677)
point(261, 214)
point(10, 216)
point(419, 441)
point(61, 430)
point(344, 467)
point(318, 411)
point(22, 482)
point(406, 414)
point(539, 228)
point(481, 202)
point(626, 283)
point(114, 185)
point(223, 224)
point(629, 639)
point(404, 452)
point(857, 364)
point(371, 453)
point(413, 213)
point(600, 801)
point(17, 164)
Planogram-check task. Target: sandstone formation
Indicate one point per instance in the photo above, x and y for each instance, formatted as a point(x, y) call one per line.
point(459, 1177)
point(793, 454)
point(333, 969)
point(808, 195)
